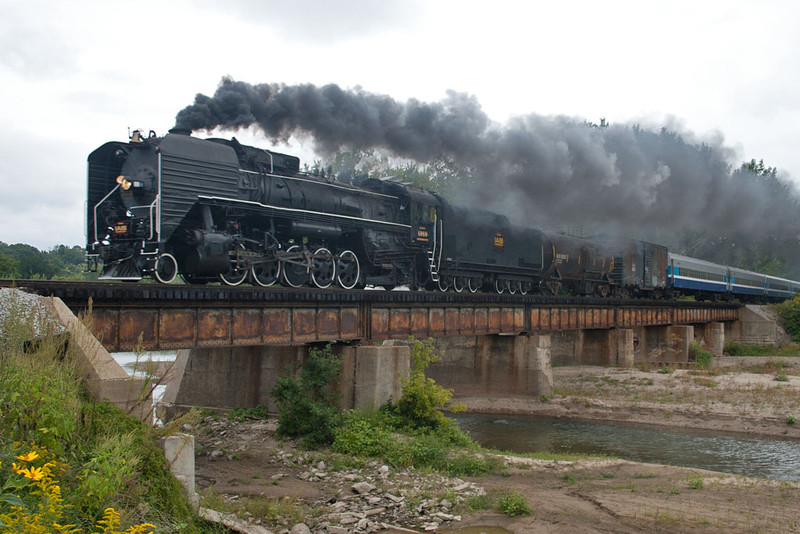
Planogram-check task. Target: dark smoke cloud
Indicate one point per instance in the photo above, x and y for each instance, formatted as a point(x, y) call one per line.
point(536, 169)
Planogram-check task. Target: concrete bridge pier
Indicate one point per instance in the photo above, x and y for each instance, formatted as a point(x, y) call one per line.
point(495, 365)
point(664, 344)
point(712, 337)
point(605, 346)
point(225, 378)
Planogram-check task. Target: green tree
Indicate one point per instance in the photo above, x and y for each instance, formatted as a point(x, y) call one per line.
point(9, 267)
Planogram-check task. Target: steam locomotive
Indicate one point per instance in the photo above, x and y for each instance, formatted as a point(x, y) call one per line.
point(214, 209)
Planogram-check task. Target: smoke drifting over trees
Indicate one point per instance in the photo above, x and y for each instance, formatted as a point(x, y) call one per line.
point(535, 169)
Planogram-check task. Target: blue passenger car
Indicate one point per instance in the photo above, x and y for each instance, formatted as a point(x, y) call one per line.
point(781, 288)
point(747, 283)
point(698, 277)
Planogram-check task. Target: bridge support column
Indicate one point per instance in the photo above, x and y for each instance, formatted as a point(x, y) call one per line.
point(371, 374)
point(593, 347)
point(226, 378)
point(713, 338)
point(511, 366)
point(665, 344)
point(625, 346)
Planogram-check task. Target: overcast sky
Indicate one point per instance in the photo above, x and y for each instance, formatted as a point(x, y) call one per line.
point(77, 74)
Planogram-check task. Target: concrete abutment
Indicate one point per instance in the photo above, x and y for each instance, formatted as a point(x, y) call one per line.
point(224, 378)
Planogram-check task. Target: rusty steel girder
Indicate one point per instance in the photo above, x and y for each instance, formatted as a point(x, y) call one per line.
point(171, 328)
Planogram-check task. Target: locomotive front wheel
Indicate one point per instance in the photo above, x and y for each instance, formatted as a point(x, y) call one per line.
point(266, 273)
point(235, 275)
point(166, 268)
point(347, 269)
point(295, 271)
point(323, 268)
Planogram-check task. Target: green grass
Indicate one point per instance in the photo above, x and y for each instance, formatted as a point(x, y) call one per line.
point(783, 350)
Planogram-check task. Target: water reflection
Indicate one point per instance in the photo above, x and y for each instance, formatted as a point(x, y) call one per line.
point(768, 457)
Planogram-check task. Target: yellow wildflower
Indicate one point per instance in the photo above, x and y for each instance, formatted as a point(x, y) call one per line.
point(17, 469)
point(31, 456)
point(34, 473)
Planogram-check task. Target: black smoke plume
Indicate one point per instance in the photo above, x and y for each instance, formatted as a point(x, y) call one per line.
point(537, 169)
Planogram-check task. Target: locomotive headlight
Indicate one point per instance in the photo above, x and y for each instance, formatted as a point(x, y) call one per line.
point(123, 182)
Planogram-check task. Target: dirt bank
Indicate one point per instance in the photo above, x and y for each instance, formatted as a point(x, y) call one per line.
point(241, 459)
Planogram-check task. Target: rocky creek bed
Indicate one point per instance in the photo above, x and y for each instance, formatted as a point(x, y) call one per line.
point(242, 460)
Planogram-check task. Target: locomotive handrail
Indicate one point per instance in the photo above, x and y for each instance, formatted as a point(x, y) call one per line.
point(97, 205)
point(439, 260)
point(150, 209)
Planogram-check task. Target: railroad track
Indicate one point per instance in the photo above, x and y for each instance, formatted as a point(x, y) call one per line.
point(79, 293)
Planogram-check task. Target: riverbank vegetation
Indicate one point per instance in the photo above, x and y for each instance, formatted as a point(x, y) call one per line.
point(67, 463)
point(410, 431)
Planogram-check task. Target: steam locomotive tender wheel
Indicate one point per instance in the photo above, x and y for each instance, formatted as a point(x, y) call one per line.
point(348, 270)
point(295, 269)
point(323, 268)
point(499, 286)
point(166, 268)
point(474, 284)
point(458, 283)
point(266, 272)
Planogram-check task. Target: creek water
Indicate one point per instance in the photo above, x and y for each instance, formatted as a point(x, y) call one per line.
point(762, 457)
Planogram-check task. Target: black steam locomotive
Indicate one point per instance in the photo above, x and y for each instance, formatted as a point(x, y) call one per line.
point(215, 209)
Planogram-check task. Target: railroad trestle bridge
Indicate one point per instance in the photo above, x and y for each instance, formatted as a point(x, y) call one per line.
point(239, 339)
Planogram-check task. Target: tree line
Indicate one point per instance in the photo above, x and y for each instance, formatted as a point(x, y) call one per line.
point(62, 262)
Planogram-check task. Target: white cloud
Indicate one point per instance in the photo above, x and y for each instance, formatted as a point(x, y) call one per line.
point(75, 75)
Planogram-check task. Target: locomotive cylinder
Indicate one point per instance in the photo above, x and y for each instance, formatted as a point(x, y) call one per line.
point(209, 255)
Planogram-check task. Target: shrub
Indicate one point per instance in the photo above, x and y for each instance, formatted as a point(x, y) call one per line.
point(360, 435)
point(307, 404)
point(421, 397)
point(789, 312)
point(514, 503)
point(701, 357)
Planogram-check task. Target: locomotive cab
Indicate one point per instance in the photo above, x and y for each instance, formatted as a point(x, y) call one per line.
point(424, 217)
